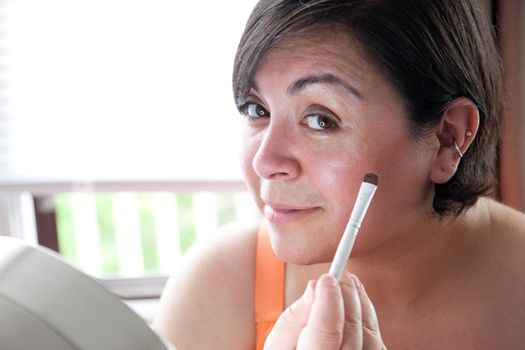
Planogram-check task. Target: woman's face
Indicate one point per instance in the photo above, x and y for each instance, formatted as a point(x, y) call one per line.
point(318, 118)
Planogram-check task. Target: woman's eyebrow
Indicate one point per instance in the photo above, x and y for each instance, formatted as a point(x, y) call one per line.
point(327, 78)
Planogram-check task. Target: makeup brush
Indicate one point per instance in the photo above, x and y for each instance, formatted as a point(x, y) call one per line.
point(366, 192)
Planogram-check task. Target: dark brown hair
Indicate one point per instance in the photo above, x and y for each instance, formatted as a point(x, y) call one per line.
point(432, 51)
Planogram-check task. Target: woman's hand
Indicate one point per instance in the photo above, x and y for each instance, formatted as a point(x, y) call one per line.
point(329, 316)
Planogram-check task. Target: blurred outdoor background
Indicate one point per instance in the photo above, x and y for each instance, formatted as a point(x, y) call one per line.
point(119, 135)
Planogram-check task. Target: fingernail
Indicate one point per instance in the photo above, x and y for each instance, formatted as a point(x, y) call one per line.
point(309, 292)
point(328, 280)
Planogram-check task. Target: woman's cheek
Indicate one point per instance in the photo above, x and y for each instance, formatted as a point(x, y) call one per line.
point(248, 151)
point(339, 174)
point(340, 182)
point(250, 144)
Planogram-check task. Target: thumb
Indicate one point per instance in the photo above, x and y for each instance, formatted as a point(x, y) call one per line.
point(291, 322)
point(326, 323)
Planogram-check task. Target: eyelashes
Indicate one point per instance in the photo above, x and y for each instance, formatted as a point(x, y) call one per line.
point(321, 122)
point(253, 110)
point(315, 120)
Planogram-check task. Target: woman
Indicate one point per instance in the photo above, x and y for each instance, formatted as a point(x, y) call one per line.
point(329, 91)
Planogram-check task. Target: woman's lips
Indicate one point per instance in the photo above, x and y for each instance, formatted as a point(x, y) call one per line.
point(284, 214)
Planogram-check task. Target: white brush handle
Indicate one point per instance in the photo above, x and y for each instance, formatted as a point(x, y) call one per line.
point(366, 192)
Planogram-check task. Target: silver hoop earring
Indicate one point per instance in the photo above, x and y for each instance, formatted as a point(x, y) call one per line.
point(457, 149)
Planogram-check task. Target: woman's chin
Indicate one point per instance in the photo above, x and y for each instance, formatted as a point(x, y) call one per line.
point(293, 255)
point(302, 247)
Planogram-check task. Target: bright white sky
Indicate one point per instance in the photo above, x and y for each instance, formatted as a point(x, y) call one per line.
point(132, 89)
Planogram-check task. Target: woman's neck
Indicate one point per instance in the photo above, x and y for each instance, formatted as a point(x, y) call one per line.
point(420, 261)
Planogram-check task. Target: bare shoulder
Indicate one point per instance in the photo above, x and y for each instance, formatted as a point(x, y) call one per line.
point(508, 223)
point(208, 302)
point(508, 247)
point(507, 272)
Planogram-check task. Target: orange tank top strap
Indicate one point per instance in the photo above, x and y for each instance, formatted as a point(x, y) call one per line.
point(269, 287)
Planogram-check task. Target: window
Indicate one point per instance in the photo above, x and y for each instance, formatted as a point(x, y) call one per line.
point(135, 234)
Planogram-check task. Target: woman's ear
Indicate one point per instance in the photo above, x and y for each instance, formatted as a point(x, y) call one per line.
point(455, 134)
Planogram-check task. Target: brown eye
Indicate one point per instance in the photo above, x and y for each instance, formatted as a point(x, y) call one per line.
point(321, 122)
point(254, 110)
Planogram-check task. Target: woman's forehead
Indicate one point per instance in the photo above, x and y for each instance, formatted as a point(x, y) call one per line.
point(318, 53)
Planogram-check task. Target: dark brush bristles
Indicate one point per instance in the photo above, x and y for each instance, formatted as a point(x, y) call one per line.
point(371, 178)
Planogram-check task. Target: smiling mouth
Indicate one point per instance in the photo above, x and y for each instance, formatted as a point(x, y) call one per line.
point(285, 215)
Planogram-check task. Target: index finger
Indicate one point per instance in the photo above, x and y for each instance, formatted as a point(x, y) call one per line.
point(286, 331)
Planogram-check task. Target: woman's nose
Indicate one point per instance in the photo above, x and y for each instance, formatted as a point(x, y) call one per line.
point(276, 157)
